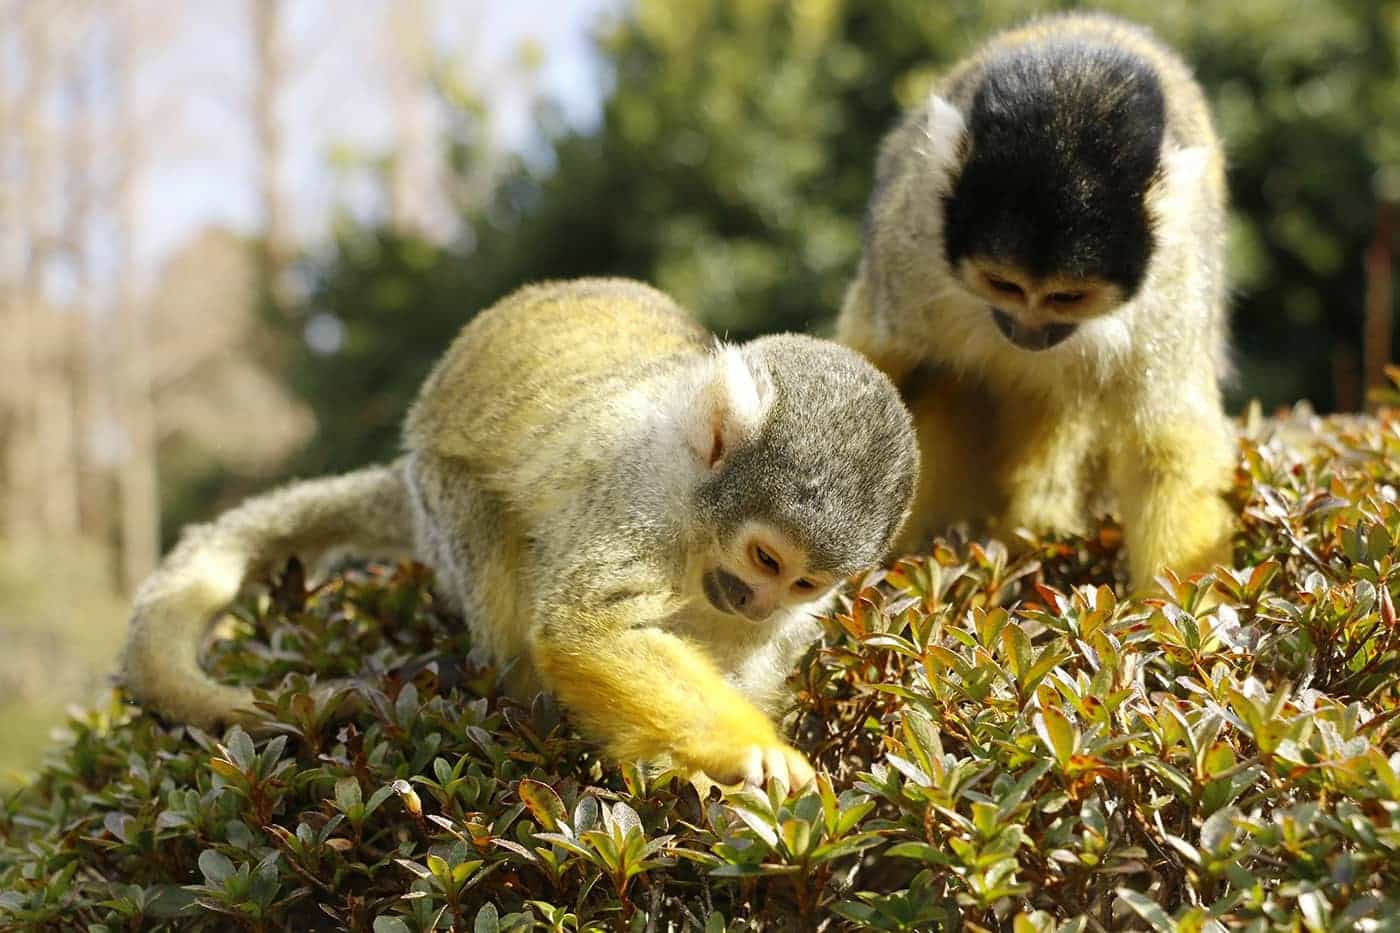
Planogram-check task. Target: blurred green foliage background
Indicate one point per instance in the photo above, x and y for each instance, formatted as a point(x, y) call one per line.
point(734, 158)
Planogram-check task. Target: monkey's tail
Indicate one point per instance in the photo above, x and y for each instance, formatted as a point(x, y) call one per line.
point(367, 512)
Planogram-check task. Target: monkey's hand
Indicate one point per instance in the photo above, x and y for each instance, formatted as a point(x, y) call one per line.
point(645, 694)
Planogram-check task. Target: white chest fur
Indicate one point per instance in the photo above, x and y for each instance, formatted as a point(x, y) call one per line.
point(755, 657)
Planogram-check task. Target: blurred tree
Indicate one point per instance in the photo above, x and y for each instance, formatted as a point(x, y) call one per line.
point(207, 372)
point(1307, 96)
point(29, 155)
point(735, 156)
point(269, 76)
point(137, 481)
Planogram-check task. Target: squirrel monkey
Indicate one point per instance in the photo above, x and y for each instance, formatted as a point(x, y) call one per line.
point(628, 515)
point(1043, 276)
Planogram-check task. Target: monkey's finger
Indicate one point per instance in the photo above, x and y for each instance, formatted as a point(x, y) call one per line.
point(799, 769)
point(753, 767)
point(776, 765)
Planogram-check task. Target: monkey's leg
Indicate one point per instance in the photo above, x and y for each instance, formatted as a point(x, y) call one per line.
point(645, 694)
point(1170, 482)
point(477, 550)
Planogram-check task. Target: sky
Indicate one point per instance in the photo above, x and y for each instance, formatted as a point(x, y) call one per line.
point(194, 91)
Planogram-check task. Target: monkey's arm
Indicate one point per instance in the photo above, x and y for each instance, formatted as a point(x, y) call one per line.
point(367, 510)
point(1170, 478)
point(861, 328)
point(646, 694)
point(1039, 450)
point(956, 480)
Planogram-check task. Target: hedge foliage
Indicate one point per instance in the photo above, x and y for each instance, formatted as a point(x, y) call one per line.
point(1007, 742)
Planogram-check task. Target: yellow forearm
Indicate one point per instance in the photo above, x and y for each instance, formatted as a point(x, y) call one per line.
point(645, 694)
point(1171, 488)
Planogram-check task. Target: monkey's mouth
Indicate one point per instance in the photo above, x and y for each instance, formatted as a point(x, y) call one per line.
point(1031, 338)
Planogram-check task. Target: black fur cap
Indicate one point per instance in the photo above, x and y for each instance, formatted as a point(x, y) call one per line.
point(1065, 139)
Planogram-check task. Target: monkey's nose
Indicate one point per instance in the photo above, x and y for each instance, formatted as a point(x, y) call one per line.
point(1031, 338)
point(736, 592)
point(728, 593)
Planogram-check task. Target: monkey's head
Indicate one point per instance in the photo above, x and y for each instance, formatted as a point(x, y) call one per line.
point(1052, 196)
point(807, 462)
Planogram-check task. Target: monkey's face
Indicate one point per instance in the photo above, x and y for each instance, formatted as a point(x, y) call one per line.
point(759, 572)
point(1037, 312)
point(800, 486)
point(1046, 215)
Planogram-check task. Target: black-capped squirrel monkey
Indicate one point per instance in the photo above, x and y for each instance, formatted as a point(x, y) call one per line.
point(627, 514)
point(1043, 276)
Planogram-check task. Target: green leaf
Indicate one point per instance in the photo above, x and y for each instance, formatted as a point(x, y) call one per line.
point(378, 797)
point(567, 843)
point(1011, 799)
point(1218, 831)
point(1378, 543)
point(414, 867)
point(797, 837)
point(1059, 736)
point(626, 819)
point(922, 739)
point(586, 813)
point(761, 823)
point(406, 706)
point(215, 866)
point(910, 770)
point(240, 749)
point(1147, 909)
point(921, 851)
point(487, 920)
point(544, 804)
point(347, 793)
point(857, 912)
point(1016, 647)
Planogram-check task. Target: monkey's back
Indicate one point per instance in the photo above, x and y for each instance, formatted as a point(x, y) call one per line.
point(519, 367)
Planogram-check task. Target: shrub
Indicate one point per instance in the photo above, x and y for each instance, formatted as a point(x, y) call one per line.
point(1007, 742)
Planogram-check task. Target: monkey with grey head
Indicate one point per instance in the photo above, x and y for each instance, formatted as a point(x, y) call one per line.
point(1043, 277)
point(627, 514)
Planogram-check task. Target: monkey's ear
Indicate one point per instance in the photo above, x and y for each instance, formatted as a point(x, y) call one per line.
point(944, 128)
point(1185, 168)
point(1173, 198)
point(729, 408)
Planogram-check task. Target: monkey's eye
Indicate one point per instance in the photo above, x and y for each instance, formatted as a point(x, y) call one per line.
point(1003, 286)
point(765, 560)
point(1065, 298)
point(805, 585)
